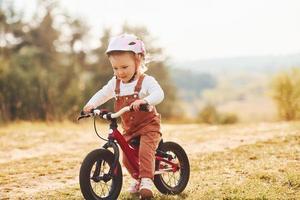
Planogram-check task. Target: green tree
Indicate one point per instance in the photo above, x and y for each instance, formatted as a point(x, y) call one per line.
point(47, 74)
point(37, 80)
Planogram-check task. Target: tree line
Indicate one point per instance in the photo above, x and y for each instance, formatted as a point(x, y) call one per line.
point(48, 73)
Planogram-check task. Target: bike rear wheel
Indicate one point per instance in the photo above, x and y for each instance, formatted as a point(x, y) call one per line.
point(94, 179)
point(168, 180)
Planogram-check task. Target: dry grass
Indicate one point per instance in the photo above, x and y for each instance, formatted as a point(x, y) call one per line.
point(265, 168)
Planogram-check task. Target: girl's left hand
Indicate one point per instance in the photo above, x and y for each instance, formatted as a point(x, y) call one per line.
point(136, 104)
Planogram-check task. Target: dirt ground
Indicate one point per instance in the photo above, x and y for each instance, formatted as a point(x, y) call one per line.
point(41, 157)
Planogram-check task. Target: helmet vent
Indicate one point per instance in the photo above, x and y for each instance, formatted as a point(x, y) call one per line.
point(132, 43)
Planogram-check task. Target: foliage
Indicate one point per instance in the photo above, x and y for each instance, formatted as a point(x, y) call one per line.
point(210, 115)
point(47, 72)
point(228, 118)
point(286, 94)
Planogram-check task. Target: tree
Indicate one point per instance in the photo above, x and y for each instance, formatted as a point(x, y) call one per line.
point(37, 80)
point(46, 74)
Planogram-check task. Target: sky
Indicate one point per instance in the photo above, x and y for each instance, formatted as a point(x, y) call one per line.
point(199, 29)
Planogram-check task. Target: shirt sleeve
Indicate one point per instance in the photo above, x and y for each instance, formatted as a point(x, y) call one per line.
point(104, 94)
point(155, 92)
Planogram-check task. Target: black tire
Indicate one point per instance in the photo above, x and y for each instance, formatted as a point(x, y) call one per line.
point(183, 174)
point(88, 185)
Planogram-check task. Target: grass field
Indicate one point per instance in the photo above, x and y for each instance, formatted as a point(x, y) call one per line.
point(243, 161)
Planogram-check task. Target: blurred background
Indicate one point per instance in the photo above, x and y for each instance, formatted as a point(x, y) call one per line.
point(219, 62)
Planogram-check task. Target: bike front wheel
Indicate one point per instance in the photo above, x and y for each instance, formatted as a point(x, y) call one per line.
point(173, 171)
point(96, 183)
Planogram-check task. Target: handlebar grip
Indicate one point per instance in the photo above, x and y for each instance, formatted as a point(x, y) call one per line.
point(144, 107)
point(80, 117)
point(83, 115)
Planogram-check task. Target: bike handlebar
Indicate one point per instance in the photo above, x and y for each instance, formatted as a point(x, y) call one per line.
point(119, 113)
point(108, 115)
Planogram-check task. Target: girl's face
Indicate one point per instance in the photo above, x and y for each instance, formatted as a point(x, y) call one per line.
point(124, 65)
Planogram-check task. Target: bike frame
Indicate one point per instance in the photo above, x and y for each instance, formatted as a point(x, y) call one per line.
point(132, 153)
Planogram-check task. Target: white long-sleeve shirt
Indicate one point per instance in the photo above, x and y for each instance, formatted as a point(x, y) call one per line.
point(150, 91)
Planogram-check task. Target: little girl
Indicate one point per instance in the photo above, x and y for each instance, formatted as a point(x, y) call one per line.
point(131, 87)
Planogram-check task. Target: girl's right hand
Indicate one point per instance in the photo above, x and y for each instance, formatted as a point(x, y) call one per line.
point(88, 108)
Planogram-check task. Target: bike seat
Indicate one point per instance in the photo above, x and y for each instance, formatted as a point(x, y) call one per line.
point(135, 142)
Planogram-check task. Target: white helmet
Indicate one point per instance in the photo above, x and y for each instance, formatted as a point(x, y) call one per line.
point(126, 42)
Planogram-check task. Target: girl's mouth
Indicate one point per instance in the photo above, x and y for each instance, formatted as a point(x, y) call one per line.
point(123, 78)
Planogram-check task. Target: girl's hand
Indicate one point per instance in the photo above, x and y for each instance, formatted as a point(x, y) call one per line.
point(136, 104)
point(88, 108)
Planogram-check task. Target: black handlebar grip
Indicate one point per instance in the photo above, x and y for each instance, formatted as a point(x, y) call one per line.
point(144, 107)
point(84, 115)
point(79, 118)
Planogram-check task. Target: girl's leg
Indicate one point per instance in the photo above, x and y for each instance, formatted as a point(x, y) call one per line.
point(148, 145)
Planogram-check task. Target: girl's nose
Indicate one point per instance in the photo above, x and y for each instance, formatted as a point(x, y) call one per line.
point(120, 73)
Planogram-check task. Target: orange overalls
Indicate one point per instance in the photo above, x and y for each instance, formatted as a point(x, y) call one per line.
point(143, 124)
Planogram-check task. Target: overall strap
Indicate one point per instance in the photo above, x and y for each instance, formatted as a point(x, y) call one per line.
point(138, 85)
point(117, 89)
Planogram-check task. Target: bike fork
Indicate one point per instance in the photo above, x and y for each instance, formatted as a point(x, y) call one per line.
point(114, 168)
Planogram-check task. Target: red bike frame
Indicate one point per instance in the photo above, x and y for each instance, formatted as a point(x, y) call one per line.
point(132, 154)
point(130, 151)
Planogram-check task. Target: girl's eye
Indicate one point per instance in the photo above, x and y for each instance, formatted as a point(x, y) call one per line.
point(117, 68)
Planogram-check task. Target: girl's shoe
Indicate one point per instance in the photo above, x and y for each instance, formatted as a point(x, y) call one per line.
point(146, 188)
point(134, 187)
